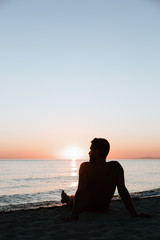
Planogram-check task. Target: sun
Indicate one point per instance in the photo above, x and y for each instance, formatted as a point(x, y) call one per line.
point(73, 153)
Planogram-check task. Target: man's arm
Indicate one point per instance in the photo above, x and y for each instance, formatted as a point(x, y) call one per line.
point(80, 196)
point(124, 194)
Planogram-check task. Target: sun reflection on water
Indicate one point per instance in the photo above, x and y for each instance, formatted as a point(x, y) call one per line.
point(74, 172)
point(74, 168)
point(74, 184)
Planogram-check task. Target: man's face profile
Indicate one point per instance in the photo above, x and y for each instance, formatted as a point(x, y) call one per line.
point(92, 154)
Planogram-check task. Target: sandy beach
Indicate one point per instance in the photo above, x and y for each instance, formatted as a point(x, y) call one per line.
point(117, 224)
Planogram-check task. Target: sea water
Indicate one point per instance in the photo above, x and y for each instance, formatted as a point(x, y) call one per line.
point(26, 184)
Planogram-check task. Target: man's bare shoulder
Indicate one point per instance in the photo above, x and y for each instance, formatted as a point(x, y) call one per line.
point(85, 164)
point(114, 164)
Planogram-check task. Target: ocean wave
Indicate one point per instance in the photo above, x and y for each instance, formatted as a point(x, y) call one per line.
point(29, 206)
point(42, 178)
point(147, 193)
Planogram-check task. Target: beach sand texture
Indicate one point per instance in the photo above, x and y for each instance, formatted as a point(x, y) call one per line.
point(46, 223)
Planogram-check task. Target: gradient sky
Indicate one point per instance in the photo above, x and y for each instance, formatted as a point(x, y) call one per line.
point(73, 70)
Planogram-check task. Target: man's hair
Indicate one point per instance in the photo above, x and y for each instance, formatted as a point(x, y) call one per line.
point(102, 145)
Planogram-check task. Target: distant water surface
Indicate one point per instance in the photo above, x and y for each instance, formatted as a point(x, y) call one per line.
point(35, 183)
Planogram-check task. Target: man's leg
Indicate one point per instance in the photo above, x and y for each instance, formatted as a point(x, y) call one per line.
point(67, 199)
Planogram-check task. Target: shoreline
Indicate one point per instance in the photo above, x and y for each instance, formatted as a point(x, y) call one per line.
point(59, 204)
point(46, 223)
point(49, 204)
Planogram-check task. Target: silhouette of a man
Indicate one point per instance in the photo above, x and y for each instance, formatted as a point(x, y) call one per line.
point(98, 180)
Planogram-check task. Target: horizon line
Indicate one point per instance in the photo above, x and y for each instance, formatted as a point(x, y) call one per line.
point(145, 158)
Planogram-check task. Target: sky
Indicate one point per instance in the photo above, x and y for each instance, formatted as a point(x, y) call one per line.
point(74, 70)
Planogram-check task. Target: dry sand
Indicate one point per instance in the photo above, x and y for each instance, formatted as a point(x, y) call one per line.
point(117, 224)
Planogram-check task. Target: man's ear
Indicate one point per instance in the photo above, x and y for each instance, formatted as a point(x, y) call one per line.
point(96, 153)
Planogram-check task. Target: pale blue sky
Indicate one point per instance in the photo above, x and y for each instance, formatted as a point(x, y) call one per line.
point(72, 70)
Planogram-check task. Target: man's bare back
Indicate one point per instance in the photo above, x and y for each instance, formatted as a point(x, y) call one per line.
point(97, 182)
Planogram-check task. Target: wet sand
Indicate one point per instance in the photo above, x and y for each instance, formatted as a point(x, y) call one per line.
point(117, 224)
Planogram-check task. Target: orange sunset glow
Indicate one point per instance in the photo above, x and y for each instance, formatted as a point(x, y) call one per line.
point(74, 152)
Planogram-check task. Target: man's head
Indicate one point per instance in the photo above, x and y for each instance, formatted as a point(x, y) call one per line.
point(99, 149)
